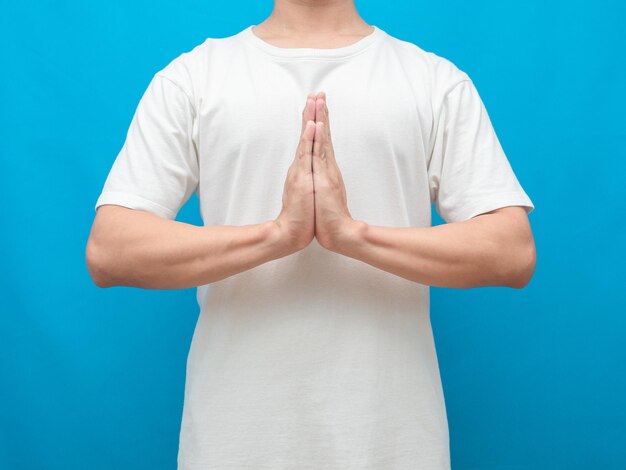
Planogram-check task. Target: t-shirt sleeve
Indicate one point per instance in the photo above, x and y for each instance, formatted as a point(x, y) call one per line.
point(469, 173)
point(157, 168)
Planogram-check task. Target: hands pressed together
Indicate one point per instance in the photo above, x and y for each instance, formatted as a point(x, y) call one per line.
point(314, 196)
point(495, 248)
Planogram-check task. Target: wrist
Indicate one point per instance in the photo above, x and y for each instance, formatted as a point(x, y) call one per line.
point(351, 237)
point(279, 239)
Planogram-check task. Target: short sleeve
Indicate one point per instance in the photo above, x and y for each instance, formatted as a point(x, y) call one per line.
point(468, 171)
point(157, 168)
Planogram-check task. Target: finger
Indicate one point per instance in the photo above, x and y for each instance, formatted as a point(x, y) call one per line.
point(308, 113)
point(324, 109)
point(319, 108)
point(319, 153)
point(321, 112)
point(327, 121)
point(305, 148)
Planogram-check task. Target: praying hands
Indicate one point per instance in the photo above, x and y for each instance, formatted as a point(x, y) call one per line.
point(314, 197)
point(494, 248)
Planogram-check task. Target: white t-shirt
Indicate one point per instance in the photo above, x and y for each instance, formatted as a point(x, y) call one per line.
point(314, 360)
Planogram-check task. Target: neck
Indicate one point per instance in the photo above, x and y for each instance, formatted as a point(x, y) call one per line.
point(313, 19)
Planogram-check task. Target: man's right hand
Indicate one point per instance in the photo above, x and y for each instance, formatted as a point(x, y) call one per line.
point(296, 220)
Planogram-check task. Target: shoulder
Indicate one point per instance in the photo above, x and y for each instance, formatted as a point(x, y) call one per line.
point(439, 73)
point(191, 68)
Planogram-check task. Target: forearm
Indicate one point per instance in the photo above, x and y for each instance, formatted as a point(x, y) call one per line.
point(478, 252)
point(155, 253)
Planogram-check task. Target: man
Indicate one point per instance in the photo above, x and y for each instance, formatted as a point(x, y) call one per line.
point(313, 348)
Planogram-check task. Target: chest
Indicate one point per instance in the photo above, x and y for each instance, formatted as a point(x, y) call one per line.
point(250, 124)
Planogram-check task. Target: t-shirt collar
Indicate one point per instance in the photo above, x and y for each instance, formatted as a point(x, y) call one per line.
point(309, 52)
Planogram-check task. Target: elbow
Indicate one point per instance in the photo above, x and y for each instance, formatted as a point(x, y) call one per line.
point(521, 267)
point(96, 267)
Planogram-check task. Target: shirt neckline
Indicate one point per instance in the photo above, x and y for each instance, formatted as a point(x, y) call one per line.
point(310, 52)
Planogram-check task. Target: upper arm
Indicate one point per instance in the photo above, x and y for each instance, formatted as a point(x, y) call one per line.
point(511, 232)
point(157, 168)
point(468, 171)
point(512, 220)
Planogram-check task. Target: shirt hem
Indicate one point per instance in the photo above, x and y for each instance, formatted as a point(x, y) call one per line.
point(133, 201)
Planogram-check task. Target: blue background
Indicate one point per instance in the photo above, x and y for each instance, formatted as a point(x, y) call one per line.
point(93, 378)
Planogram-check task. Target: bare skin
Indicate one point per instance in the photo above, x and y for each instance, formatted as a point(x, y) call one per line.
point(128, 247)
point(492, 249)
point(313, 23)
point(296, 220)
point(496, 248)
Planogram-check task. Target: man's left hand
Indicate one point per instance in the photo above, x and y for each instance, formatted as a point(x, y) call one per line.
point(332, 217)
